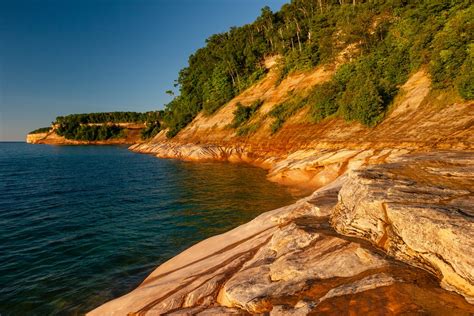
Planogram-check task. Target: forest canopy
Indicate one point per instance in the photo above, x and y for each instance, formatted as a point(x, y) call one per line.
point(81, 126)
point(109, 117)
point(393, 38)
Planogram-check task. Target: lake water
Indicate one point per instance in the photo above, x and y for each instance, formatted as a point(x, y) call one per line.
point(80, 225)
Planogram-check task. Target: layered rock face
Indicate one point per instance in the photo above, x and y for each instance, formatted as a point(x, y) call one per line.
point(388, 231)
point(306, 168)
point(292, 261)
point(35, 138)
point(311, 155)
point(418, 209)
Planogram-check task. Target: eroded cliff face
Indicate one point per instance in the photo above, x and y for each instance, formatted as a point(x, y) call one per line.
point(292, 260)
point(131, 131)
point(420, 120)
point(389, 229)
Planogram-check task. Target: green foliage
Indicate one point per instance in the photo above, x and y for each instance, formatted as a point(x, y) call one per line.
point(323, 101)
point(358, 92)
point(431, 30)
point(84, 132)
point(218, 90)
point(41, 130)
point(302, 60)
point(110, 117)
point(451, 50)
point(283, 111)
point(390, 39)
point(465, 79)
point(244, 113)
point(150, 130)
point(247, 129)
point(279, 113)
point(361, 101)
point(178, 118)
point(103, 126)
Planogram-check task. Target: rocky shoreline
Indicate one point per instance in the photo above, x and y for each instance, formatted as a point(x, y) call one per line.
point(310, 168)
point(391, 238)
point(387, 228)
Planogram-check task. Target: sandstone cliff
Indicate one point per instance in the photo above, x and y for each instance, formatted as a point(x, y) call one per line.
point(312, 154)
point(389, 229)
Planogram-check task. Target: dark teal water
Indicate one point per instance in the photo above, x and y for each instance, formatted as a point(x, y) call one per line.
point(82, 225)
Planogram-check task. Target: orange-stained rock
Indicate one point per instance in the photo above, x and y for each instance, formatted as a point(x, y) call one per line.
point(291, 261)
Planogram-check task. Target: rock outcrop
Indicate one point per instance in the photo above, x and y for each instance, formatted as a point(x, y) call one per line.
point(388, 231)
point(306, 168)
point(292, 261)
point(419, 210)
point(312, 155)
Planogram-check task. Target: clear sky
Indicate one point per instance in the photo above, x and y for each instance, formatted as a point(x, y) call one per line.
point(76, 56)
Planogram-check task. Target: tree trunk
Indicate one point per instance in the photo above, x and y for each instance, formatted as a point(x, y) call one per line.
point(298, 34)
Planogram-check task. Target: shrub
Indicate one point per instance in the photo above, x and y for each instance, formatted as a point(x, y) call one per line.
point(247, 130)
point(41, 130)
point(465, 79)
point(150, 130)
point(279, 113)
point(451, 50)
point(283, 111)
point(361, 101)
point(323, 101)
point(244, 113)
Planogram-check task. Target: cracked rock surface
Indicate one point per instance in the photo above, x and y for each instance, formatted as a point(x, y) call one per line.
point(418, 209)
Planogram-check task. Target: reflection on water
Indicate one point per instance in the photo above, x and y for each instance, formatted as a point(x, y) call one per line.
point(81, 225)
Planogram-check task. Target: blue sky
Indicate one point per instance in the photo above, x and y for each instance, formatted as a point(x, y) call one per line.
point(61, 56)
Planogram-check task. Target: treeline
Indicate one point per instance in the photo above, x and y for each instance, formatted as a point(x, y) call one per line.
point(77, 126)
point(89, 132)
point(41, 130)
point(110, 117)
point(389, 40)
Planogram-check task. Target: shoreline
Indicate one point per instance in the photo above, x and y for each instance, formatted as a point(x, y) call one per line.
point(399, 188)
point(308, 169)
point(320, 205)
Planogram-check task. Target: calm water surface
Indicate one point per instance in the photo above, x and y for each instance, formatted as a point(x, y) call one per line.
point(80, 225)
